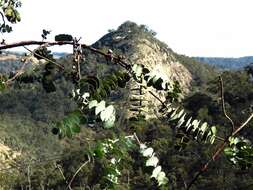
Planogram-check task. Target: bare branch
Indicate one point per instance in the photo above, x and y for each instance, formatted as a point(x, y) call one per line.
point(137, 139)
point(28, 43)
point(57, 64)
point(18, 73)
point(62, 174)
point(223, 105)
point(79, 169)
point(243, 125)
point(116, 59)
point(2, 18)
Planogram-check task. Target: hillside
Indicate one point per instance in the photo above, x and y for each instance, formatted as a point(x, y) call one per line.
point(28, 114)
point(136, 43)
point(139, 45)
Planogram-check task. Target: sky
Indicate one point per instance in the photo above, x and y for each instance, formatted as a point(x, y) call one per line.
point(214, 28)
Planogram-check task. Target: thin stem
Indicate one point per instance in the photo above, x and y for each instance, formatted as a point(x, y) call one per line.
point(41, 56)
point(62, 174)
point(223, 105)
point(219, 138)
point(2, 15)
point(243, 125)
point(137, 139)
point(79, 169)
point(19, 72)
point(158, 99)
point(219, 151)
point(115, 59)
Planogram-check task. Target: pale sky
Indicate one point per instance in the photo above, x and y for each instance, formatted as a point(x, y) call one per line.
point(221, 28)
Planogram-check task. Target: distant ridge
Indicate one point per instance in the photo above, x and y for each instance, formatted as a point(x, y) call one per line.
point(20, 53)
point(227, 63)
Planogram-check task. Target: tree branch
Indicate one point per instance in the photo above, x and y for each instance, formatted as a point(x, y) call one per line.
point(2, 15)
point(57, 64)
point(115, 59)
point(19, 72)
point(223, 105)
point(28, 43)
point(219, 151)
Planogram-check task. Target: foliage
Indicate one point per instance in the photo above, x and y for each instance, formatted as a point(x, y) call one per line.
point(190, 127)
point(63, 37)
point(116, 158)
point(240, 152)
point(10, 14)
point(152, 161)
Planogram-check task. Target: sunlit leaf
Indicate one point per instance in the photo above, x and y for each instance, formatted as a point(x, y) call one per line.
point(110, 122)
point(148, 152)
point(92, 104)
point(156, 171)
point(107, 113)
point(153, 161)
point(162, 179)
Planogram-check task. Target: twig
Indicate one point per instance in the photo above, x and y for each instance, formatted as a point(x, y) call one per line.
point(219, 151)
point(158, 99)
point(2, 18)
point(243, 125)
point(62, 174)
point(29, 178)
point(116, 59)
point(79, 169)
point(57, 64)
point(19, 72)
point(223, 105)
point(137, 139)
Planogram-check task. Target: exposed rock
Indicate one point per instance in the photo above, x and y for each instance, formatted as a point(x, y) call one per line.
point(7, 156)
point(140, 46)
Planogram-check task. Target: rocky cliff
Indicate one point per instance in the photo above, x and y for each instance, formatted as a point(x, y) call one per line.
point(139, 45)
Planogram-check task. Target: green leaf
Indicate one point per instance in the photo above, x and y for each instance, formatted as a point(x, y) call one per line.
point(2, 86)
point(157, 83)
point(103, 93)
point(111, 83)
point(99, 151)
point(69, 132)
point(110, 122)
point(228, 152)
point(214, 130)
point(203, 127)
point(76, 128)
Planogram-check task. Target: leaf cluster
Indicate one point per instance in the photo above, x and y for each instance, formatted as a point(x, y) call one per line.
point(239, 152)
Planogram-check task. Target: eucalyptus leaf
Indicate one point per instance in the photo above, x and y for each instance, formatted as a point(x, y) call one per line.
point(110, 122)
point(107, 113)
point(156, 172)
point(153, 161)
point(100, 107)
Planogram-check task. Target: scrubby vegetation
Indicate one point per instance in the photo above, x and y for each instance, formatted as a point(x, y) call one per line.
point(69, 119)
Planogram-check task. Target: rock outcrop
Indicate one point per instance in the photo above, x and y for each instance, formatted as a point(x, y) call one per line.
point(139, 45)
